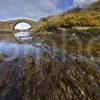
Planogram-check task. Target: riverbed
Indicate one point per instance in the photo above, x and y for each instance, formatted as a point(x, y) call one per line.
point(35, 67)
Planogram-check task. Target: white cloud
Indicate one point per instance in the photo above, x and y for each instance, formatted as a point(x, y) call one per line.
point(26, 8)
point(35, 9)
point(82, 2)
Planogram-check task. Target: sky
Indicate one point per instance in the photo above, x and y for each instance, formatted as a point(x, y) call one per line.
point(35, 9)
point(22, 26)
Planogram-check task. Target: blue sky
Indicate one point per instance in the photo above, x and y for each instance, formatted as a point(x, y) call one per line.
point(35, 9)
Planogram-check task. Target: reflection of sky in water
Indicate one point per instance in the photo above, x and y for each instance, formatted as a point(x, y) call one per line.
point(22, 26)
point(18, 50)
point(21, 36)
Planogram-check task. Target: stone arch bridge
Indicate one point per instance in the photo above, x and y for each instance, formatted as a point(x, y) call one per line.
point(9, 25)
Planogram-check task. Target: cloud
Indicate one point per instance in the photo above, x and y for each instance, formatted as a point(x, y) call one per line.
point(34, 9)
point(27, 8)
point(82, 2)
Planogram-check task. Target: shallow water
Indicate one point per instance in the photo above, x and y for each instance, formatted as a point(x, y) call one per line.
point(15, 47)
point(15, 50)
point(27, 63)
point(21, 36)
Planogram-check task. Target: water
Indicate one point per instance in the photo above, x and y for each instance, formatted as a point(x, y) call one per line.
point(33, 66)
point(15, 50)
point(21, 36)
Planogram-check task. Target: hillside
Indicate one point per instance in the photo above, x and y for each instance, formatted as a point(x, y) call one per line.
point(88, 16)
point(93, 7)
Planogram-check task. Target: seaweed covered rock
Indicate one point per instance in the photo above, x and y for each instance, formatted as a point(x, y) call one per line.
point(54, 80)
point(2, 57)
point(8, 82)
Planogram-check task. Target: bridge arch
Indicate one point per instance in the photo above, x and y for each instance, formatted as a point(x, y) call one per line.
point(22, 26)
point(16, 22)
